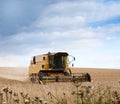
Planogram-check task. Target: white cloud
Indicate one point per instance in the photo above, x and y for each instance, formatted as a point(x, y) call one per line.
point(60, 21)
point(71, 13)
point(69, 34)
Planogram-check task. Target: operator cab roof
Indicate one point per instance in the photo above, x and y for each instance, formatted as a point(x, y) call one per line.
point(54, 54)
point(59, 53)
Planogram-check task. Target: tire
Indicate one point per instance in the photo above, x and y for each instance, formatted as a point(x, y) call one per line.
point(40, 75)
point(66, 73)
point(88, 77)
point(32, 78)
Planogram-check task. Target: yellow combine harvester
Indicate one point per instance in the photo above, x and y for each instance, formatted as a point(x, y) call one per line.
point(54, 67)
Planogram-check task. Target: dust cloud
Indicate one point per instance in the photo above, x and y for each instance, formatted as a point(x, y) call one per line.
point(15, 73)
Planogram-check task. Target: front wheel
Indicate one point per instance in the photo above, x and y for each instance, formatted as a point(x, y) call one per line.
point(33, 78)
point(88, 77)
point(40, 75)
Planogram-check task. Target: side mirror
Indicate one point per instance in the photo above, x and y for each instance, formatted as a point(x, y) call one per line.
point(74, 58)
point(72, 65)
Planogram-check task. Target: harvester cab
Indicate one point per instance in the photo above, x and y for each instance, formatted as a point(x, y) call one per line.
point(58, 61)
point(54, 67)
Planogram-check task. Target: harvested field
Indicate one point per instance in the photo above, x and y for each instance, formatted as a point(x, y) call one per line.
point(17, 80)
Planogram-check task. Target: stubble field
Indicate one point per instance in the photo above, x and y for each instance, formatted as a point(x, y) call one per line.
point(104, 88)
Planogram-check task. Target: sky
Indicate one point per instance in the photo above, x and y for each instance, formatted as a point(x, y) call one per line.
point(86, 29)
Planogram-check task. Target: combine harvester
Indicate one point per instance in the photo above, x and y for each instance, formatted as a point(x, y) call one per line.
point(54, 67)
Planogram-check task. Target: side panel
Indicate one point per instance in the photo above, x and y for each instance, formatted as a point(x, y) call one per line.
point(41, 62)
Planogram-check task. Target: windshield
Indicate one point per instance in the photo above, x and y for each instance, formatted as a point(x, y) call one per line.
point(60, 62)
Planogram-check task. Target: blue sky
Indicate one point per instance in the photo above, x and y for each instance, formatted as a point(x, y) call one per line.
point(86, 29)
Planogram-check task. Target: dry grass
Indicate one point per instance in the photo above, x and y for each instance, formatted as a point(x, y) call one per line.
point(57, 92)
